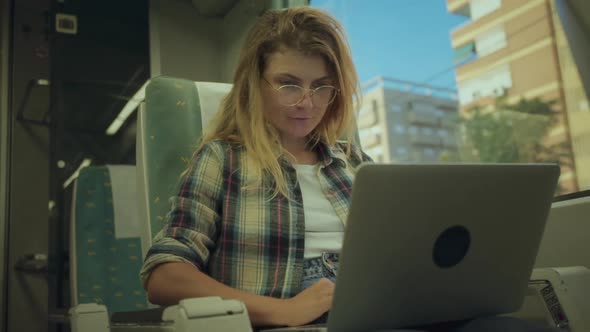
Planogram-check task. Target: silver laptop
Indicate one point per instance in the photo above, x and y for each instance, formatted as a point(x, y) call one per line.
point(438, 242)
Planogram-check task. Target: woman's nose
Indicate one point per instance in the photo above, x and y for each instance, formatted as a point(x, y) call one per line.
point(307, 100)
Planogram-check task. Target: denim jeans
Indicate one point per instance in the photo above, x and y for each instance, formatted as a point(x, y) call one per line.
point(326, 266)
point(314, 269)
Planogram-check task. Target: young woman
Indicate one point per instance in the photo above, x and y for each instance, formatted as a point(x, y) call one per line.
point(260, 213)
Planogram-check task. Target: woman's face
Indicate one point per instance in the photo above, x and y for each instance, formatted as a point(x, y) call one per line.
point(290, 67)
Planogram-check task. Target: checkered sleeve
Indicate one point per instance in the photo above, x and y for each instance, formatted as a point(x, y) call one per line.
point(191, 226)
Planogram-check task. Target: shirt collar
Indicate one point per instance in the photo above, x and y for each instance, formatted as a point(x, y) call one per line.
point(328, 154)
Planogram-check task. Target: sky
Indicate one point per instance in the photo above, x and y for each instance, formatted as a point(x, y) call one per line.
point(404, 39)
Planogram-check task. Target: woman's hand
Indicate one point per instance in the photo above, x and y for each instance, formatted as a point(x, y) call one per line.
point(308, 305)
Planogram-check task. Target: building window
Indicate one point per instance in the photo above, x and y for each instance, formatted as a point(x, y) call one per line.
point(490, 41)
point(443, 132)
point(374, 104)
point(399, 129)
point(430, 152)
point(427, 131)
point(492, 83)
point(401, 151)
point(481, 8)
point(396, 108)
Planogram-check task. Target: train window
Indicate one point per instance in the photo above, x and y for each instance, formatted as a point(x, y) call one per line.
point(480, 65)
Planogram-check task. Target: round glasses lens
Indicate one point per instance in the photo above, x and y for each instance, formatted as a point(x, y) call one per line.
point(290, 95)
point(324, 95)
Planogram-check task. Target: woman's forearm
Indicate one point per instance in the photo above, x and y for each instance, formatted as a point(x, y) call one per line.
point(171, 282)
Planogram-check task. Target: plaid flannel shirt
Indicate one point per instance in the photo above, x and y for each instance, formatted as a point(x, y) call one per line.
point(224, 222)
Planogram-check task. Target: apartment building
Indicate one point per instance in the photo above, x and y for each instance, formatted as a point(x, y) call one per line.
point(403, 121)
point(517, 49)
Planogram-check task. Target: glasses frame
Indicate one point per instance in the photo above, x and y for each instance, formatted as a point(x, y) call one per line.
point(309, 92)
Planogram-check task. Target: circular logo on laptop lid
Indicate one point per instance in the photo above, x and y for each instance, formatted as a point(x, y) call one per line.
point(451, 246)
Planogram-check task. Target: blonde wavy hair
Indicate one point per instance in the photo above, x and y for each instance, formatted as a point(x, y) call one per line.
point(241, 120)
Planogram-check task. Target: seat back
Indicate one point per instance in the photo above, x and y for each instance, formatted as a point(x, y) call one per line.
point(105, 244)
point(170, 122)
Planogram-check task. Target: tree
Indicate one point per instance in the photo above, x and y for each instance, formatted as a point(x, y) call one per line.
point(513, 133)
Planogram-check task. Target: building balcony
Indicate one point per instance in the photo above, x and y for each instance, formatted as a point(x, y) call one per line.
point(419, 139)
point(491, 15)
point(459, 7)
point(422, 118)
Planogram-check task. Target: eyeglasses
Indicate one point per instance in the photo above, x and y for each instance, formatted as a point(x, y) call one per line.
point(291, 95)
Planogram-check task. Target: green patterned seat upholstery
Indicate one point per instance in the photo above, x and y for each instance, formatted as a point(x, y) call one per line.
point(105, 244)
point(170, 123)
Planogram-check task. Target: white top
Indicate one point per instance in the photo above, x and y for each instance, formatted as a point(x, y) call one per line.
point(323, 229)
